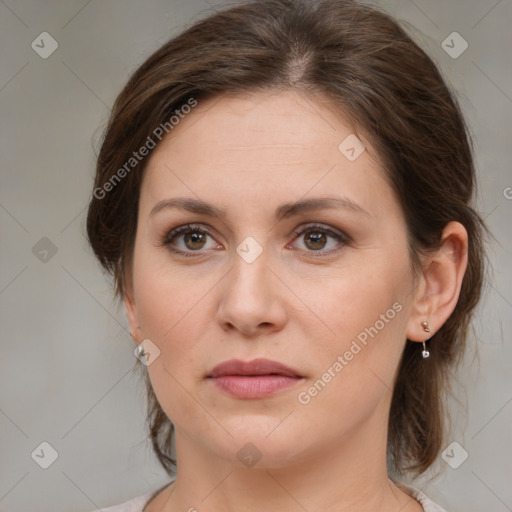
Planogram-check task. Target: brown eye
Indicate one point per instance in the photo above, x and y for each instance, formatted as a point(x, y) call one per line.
point(194, 240)
point(188, 239)
point(316, 239)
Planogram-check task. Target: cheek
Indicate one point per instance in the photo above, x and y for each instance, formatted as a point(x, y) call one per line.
point(171, 311)
point(354, 378)
point(366, 310)
point(353, 299)
point(171, 315)
point(166, 294)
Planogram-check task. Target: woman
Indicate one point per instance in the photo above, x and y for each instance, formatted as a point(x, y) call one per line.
point(283, 197)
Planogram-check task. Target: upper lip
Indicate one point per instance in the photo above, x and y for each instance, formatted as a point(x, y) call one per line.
point(255, 367)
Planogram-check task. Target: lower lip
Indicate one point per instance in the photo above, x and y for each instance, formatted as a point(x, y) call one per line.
point(254, 387)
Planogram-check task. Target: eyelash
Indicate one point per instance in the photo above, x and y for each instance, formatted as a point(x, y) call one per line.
point(194, 228)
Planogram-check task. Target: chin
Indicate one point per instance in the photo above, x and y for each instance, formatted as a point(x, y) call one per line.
point(260, 445)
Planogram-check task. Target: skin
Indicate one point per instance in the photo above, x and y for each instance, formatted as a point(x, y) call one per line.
point(248, 154)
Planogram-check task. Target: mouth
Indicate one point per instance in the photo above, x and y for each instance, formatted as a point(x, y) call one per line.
point(255, 368)
point(259, 378)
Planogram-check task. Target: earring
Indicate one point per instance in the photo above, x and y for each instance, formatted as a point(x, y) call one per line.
point(425, 353)
point(140, 351)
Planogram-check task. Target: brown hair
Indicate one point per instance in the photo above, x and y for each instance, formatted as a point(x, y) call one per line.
point(361, 59)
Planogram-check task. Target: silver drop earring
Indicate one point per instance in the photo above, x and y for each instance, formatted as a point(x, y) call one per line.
point(425, 353)
point(140, 351)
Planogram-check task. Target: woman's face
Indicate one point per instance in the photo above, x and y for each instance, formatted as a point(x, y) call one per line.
point(326, 291)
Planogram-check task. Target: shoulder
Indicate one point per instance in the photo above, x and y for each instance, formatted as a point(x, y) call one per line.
point(427, 504)
point(133, 505)
point(136, 504)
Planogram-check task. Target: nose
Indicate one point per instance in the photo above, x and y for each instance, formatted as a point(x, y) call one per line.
point(252, 299)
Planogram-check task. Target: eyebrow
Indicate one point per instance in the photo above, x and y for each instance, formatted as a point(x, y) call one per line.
point(284, 211)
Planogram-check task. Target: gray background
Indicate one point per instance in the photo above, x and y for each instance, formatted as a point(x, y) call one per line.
point(66, 357)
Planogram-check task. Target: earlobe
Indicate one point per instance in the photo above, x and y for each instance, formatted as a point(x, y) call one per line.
point(441, 284)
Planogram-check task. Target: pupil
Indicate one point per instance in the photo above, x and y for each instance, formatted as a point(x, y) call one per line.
point(196, 238)
point(315, 239)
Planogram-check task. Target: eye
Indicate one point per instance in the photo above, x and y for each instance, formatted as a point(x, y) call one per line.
point(316, 238)
point(188, 240)
point(193, 238)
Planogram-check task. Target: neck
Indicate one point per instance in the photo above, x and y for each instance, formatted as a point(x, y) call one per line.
point(349, 474)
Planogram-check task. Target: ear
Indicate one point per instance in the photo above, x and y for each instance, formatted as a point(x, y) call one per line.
point(439, 287)
point(132, 315)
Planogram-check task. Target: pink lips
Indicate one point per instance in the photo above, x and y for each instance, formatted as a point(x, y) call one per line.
point(253, 379)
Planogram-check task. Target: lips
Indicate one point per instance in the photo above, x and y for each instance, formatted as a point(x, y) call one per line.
point(253, 380)
point(256, 367)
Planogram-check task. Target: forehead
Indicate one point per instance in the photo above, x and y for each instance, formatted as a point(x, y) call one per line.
point(259, 145)
point(264, 123)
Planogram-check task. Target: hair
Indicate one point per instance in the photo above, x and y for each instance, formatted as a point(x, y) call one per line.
point(363, 61)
